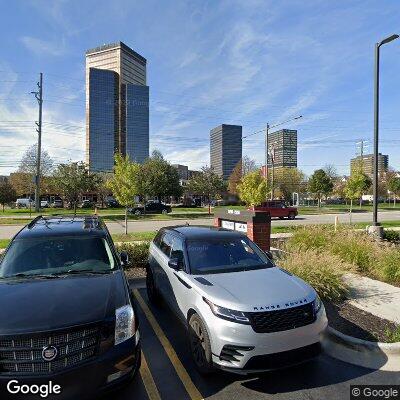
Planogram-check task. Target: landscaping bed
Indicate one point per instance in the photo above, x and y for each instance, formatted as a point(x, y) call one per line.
point(360, 324)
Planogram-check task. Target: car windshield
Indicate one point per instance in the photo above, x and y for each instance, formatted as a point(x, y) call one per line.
point(225, 255)
point(57, 256)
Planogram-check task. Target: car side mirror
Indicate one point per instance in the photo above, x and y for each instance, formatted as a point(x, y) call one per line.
point(124, 258)
point(175, 264)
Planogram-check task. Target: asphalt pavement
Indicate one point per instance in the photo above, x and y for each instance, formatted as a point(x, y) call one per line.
point(169, 373)
point(7, 231)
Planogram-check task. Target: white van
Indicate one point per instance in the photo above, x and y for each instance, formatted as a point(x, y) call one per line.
point(24, 203)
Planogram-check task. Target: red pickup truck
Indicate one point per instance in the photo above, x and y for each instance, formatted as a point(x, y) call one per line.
point(277, 208)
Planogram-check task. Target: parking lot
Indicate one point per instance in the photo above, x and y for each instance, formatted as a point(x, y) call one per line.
point(168, 372)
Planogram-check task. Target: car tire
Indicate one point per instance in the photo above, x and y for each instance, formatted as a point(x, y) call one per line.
point(292, 216)
point(281, 217)
point(138, 212)
point(200, 345)
point(165, 212)
point(151, 288)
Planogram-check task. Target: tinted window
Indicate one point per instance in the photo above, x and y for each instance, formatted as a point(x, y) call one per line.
point(166, 244)
point(177, 251)
point(157, 239)
point(225, 255)
point(36, 256)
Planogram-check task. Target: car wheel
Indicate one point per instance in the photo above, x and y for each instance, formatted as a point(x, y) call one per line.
point(137, 212)
point(280, 217)
point(164, 211)
point(200, 345)
point(292, 216)
point(152, 292)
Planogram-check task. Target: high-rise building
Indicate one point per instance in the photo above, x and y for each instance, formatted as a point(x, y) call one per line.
point(283, 145)
point(117, 106)
point(225, 149)
point(183, 171)
point(367, 163)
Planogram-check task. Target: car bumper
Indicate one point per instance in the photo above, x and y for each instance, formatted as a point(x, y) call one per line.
point(106, 372)
point(254, 352)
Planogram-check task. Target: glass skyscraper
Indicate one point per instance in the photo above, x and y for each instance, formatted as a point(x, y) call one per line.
point(117, 106)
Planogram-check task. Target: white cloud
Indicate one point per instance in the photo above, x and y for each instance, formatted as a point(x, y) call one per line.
point(43, 47)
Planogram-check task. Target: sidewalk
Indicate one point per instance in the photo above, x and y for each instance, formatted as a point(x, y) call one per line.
point(375, 297)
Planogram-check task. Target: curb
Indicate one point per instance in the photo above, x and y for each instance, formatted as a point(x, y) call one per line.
point(373, 355)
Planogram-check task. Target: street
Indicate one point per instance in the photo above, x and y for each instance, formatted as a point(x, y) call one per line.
point(171, 374)
point(7, 231)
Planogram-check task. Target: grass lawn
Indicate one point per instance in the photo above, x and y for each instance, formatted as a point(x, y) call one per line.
point(4, 243)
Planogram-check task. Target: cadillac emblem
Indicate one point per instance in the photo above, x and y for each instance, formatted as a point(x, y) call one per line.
point(49, 353)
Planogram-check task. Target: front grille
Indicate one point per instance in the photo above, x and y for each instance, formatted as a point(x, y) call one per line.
point(282, 320)
point(284, 358)
point(21, 355)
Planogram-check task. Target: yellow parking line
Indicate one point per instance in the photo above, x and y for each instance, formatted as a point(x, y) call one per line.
point(148, 380)
point(179, 368)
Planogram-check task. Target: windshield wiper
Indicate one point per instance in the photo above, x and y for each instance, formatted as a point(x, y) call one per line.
point(22, 275)
point(85, 271)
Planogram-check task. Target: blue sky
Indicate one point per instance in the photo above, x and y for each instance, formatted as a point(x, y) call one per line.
point(209, 62)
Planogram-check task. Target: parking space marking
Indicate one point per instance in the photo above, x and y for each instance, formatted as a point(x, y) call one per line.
point(148, 380)
point(179, 368)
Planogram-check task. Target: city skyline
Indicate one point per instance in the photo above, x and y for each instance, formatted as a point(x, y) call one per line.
point(242, 73)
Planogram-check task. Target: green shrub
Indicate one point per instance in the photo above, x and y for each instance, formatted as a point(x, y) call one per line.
point(138, 253)
point(323, 271)
point(393, 336)
point(355, 248)
point(391, 236)
point(388, 266)
point(310, 238)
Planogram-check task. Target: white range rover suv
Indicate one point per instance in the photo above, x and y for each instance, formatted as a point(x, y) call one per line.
point(243, 313)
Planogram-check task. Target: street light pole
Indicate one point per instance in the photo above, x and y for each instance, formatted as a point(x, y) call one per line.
point(266, 155)
point(376, 128)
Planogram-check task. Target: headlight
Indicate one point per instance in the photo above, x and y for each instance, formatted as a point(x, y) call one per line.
point(317, 304)
point(226, 313)
point(124, 324)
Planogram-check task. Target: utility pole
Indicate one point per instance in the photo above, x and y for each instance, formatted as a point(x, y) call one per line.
point(266, 155)
point(39, 97)
point(273, 171)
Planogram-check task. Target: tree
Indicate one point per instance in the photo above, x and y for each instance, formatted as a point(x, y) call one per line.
point(242, 168)
point(393, 185)
point(7, 193)
point(206, 183)
point(253, 189)
point(288, 181)
point(320, 184)
point(160, 177)
point(356, 186)
point(73, 180)
point(331, 171)
point(29, 159)
point(126, 183)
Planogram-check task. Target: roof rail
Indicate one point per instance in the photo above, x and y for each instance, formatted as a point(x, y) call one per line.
point(33, 222)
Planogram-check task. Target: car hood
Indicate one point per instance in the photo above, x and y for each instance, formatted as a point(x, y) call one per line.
point(258, 290)
point(41, 305)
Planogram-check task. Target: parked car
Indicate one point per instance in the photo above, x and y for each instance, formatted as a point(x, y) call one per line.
point(277, 208)
point(151, 208)
point(67, 314)
point(111, 203)
point(87, 204)
point(243, 313)
point(57, 203)
point(44, 204)
point(24, 203)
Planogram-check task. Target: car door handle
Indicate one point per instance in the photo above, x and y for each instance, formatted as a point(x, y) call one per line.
point(182, 281)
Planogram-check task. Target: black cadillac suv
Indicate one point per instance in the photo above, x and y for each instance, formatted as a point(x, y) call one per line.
point(67, 315)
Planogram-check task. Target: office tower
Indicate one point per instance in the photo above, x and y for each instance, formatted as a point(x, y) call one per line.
point(367, 163)
point(225, 149)
point(283, 145)
point(117, 106)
